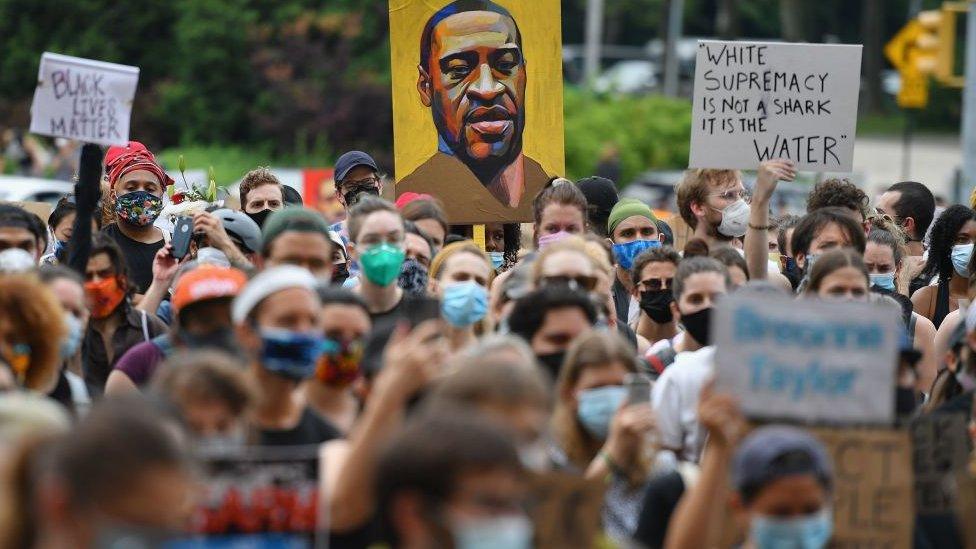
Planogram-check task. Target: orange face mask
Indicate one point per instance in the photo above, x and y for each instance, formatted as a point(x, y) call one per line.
point(105, 295)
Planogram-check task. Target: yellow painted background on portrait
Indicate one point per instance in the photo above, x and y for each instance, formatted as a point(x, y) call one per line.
point(414, 134)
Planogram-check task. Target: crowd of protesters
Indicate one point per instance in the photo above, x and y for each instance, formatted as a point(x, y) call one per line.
point(436, 374)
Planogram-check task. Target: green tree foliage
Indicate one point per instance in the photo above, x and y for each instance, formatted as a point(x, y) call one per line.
point(648, 131)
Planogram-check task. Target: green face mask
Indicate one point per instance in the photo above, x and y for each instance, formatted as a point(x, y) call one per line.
point(381, 263)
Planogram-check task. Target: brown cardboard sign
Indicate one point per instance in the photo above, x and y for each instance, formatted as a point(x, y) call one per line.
point(941, 451)
point(40, 209)
point(873, 487)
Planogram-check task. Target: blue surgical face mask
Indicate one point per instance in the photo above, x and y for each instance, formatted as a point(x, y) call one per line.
point(72, 340)
point(497, 259)
point(806, 532)
point(464, 303)
point(885, 281)
point(504, 532)
point(961, 254)
point(597, 407)
point(628, 251)
point(290, 354)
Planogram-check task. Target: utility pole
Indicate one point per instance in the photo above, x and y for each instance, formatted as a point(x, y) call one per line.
point(675, 12)
point(969, 108)
point(594, 39)
point(914, 6)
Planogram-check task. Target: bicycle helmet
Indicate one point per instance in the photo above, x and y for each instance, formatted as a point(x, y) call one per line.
point(238, 225)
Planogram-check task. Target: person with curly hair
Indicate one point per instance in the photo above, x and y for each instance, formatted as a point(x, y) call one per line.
point(840, 193)
point(951, 247)
point(32, 327)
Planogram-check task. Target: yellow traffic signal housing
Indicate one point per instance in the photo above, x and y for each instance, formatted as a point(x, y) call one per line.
point(946, 57)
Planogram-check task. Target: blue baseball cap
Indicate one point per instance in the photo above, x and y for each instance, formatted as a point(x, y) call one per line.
point(350, 160)
point(757, 460)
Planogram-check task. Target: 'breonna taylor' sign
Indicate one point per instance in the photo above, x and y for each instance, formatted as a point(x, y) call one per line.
point(816, 361)
point(83, 99)
point(755, 101)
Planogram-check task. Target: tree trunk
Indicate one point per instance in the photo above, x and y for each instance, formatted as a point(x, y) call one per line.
point(791, 20)
point(871, 21)
point(727, 19)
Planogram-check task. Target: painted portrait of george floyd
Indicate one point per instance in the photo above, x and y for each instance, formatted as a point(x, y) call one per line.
point(477, 101)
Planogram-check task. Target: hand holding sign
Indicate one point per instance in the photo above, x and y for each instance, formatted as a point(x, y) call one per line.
point(770, 173)
point(83, 99)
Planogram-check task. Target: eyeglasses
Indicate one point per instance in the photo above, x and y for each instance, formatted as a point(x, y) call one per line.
point(655, 284)
point(732, 195)
point(579, 282)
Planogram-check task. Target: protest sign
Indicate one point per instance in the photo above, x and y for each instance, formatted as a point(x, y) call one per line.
point(941, 452)
point(477, 104)
point(872, 494)
point(83, 99)
point(755, 101)
point(565, 509)
point(822, 362)
point(260, 494)
point(872, 487)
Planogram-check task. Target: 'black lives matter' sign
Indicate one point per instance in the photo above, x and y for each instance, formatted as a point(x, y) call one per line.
point(83, 99)
point(756, 101)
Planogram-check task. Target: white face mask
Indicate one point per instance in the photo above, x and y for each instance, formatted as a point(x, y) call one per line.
point(735, 219)
point(504, 532)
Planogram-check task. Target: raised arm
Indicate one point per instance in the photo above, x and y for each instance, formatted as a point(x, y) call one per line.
point(756, 242)
point(88, 191)
point(411, 361)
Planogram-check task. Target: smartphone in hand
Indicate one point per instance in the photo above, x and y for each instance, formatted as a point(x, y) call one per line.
point(638, 388)
point(182, 235)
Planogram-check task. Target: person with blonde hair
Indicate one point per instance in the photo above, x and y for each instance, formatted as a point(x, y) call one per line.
point(597, 432)
point(460, 275)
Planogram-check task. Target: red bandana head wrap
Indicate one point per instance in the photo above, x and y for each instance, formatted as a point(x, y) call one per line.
point(135, 156)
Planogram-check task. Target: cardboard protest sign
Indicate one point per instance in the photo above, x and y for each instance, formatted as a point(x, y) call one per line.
point(822, 362)
point(872, 496)
point(755, 101)
point(565, 510)
point(477, 103)
point(941, 444)
point(83, 99)
point(872, 487)
point(260, 495)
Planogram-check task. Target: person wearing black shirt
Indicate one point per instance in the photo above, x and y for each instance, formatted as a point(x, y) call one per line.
point(278, 319)
point(377, 233)
point(136, 185)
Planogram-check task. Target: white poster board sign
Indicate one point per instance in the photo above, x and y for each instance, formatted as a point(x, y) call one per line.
point(83, 99)
point(807, 361)
point(755, 101)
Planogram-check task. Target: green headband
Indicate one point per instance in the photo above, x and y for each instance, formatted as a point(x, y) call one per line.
point(628, 207)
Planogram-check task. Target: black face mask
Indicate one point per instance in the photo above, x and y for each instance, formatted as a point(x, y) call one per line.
point(354, 194)
point(906, 400)
point(340, 273)
point(259, 217)
point(699, 325)
point(657, 305)
point(552, 363)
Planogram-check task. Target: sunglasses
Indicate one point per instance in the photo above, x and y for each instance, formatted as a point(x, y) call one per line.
point(579, 282)
point(654, 284)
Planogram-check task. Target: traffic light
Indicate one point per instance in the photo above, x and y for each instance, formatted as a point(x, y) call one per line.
point(926, 47)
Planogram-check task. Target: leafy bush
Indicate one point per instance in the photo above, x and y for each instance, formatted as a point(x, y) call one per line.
point(648, 131)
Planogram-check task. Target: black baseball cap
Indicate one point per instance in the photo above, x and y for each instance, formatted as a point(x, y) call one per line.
point(350, 160)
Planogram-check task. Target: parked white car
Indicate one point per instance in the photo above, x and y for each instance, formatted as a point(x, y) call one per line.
point(15, 188)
